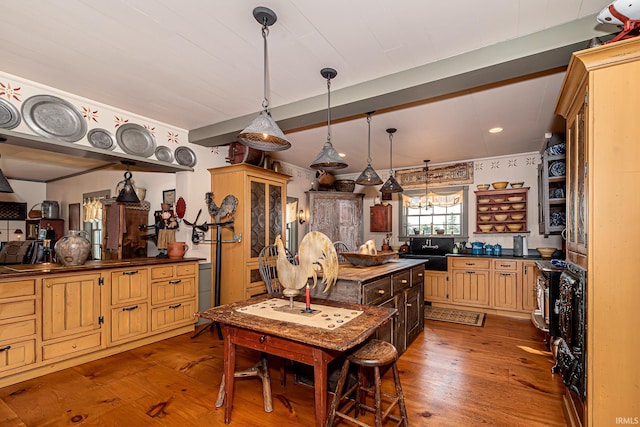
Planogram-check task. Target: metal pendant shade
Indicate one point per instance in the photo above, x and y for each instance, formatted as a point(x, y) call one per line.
point(5, 187)
point(391, 186)
point(128, 192)
point(369, 176)
point(328, 158)
point(263, 132)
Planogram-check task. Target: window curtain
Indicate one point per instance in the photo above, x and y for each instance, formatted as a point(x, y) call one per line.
point(444, 198)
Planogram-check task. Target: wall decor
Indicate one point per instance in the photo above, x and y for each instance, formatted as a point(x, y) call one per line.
point(454, 174)
point(169, 197)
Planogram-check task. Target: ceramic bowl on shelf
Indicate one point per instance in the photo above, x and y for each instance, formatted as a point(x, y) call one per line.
point(483, 187)
point(498, 199)
point(500, 217)
point(485, 217)
point(504, 207)
point(483, 208)
point(517, 184)
point(485, 227)
point(484, 200)
point(500, 227)
point(517, 206)
point(494, 208)
point(500, 185)
point(514, 227)
point(516, 198)
point(546, 252)
point(517, 217)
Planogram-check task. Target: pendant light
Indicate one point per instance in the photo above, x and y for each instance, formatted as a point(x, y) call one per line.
point(328, 159)
point(5, 187)
point(369, 176)
point(391, 186)
point(263, 133)
point(128, 193)
point(427, 205)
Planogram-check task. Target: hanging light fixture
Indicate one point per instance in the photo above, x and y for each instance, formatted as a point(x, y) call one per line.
point(391, 186)
point(263, 133)
point(369, 176)
point(427, 205)
point(127, 192)
point(328, 159)
point(5, 187)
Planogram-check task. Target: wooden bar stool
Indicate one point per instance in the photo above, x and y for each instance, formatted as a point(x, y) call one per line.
point(374, 354)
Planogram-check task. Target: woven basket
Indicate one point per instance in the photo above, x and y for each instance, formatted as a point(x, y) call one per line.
point(345, 185)
point(35, 213)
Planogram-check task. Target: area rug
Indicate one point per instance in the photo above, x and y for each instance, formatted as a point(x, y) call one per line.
point(470, 318)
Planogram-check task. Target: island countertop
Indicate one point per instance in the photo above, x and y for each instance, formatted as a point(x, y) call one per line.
point(366, 274)
point(21, 270)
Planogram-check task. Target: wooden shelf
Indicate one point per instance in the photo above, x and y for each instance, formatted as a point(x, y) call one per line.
point(497, 203)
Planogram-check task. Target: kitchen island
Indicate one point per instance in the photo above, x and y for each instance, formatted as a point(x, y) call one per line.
point(397, 284)
point(53, 317)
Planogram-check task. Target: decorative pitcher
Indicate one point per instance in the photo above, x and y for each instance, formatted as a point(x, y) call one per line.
point(176, 250)
point(73, 248)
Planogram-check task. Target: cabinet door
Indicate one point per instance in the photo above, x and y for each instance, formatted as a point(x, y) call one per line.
point(387, 332)
point(529, 279)
point(129, 285)
point(436, 286)
point(266, 213)
point(380, 218)
point(401, 322)
point(577, 185)
point(129, 322)
point(70, 305)
point(415, 313)
point(505, 290)
point(470, 287)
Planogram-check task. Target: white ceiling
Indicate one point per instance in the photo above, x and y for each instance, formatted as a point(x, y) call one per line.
point(442, 73)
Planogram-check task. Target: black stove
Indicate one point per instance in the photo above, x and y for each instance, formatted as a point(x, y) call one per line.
point(432, 249)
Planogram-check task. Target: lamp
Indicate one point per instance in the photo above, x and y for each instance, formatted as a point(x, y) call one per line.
point(369, 176)
point(18, 233)
point(427, 205)
point(127, 193)
point(328, 159)
point(301, 217)
point(263, 133)
point(391, 186)
point(5, 187)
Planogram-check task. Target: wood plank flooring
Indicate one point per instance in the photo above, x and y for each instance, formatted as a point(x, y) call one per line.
point(452, 375)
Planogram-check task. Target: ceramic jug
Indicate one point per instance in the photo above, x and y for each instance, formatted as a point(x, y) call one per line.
point(176, 250)
point(73, 248)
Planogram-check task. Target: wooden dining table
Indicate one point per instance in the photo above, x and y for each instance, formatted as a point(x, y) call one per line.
point(298, 341)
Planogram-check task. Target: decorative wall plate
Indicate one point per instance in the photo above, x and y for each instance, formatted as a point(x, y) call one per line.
point(101, 138)
point(557, 168)
point(9, 115)
point(135, 139)
point(185, 156)
point(53, 117)
point(164, 154)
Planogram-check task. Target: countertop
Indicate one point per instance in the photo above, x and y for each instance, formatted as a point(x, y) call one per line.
point(531, 256)
point(22, 270)
point(365, 274)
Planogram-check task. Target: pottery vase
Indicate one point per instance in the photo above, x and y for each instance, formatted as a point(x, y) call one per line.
point(73, 248)
point(176, 250)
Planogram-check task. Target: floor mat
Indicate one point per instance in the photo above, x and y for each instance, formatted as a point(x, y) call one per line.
point(470, 318)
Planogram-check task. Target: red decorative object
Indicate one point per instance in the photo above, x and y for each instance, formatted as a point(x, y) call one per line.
point(181, 208)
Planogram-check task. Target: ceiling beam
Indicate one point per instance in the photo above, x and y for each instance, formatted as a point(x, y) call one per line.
point(527, 55)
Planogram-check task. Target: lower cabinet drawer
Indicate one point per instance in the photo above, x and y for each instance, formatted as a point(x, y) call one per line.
point(129, 322)
point(17, 354)
point(173, 314)
point(401, 281)
point(20, 288)
point(17, 309)
point(376, 292)
point(172, 290)
point(72, 346)
point(13, 330)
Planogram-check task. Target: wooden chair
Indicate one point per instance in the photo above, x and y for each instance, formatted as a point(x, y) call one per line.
point(267, 259)
point(341, 247)
point(373, 354)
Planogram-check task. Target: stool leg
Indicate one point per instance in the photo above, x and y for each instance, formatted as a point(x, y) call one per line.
point(403, 409)
point(337, 397)
point(377, 385)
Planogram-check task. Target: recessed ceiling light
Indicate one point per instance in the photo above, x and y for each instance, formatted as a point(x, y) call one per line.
point(342, 155)
point(495, 130)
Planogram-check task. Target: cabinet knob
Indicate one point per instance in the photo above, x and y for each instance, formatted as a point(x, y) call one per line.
point(262, 339)
point(420, 275)
point(403, 281)
point(381, 291)
point(409, 305)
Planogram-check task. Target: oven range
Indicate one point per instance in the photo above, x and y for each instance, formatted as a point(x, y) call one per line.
point(432, 249)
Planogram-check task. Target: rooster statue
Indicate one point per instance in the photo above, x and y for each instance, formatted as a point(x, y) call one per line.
point(226, 209)
point(316, 250)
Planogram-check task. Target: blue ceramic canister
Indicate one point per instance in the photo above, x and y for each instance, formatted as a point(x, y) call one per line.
point(488, 249)
point(497, 249)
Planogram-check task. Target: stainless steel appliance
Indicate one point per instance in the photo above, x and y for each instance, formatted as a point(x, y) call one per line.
point(545, 317)
point(520, 247)
point(432, 249)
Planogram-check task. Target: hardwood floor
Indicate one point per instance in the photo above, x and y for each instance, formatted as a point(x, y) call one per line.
point(452, 375)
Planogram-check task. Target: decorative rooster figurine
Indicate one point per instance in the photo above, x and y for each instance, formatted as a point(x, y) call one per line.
point(316, 250)
point(226, 209)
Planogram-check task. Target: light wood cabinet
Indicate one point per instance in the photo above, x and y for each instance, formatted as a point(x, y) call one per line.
point(259, 218)
point(598, 100)
point(338, 215)
point(529, 300)
point(505, 284)
point(18, 325)
point(470, 282)
point(173, 295)
point(436, 286)
point(71, 315)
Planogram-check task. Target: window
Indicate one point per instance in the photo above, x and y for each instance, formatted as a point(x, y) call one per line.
point(443, 212)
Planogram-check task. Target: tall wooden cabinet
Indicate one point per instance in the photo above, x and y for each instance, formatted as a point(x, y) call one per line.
point(598, 99)
point(338, 215)
point(259, 218)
